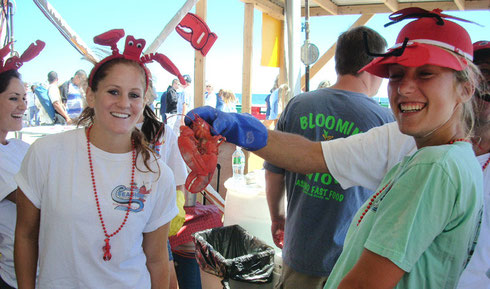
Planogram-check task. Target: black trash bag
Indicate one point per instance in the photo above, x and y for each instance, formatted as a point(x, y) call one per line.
point(232, 253)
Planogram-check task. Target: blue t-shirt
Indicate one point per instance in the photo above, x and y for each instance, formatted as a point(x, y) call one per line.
point(319, 211)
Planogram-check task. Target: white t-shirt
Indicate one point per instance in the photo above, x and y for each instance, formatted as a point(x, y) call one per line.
point(55, 176)
point(364, 159)
point(477, 272)
point(210, 99)
point(54, 93)
point(168, 149)
point(11, 156)
point(30, 96)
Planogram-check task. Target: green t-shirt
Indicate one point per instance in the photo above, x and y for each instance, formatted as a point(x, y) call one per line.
point(426, 220)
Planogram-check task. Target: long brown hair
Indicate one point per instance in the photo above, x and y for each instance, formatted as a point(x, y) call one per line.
point(88, 114)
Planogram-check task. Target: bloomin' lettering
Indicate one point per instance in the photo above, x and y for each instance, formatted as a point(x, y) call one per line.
point(329, 123)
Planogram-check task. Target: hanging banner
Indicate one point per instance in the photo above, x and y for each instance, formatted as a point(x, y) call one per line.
point(272, 41)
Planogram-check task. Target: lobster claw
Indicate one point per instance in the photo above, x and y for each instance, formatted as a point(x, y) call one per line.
point(110, 38)
point(193, 29)
point(16, 62)
point(196, 183)
point(165, 62)
point(32, 51)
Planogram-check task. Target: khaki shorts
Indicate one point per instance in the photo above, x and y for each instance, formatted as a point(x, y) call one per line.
point(291, 279)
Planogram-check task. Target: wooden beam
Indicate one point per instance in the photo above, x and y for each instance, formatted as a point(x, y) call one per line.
point(247, 57)
point(327, 5)
point(247, 65)
point(362, 20)
point(200, 61)
point(392, 5)
point(382, 8)
point(268, 7)
point(460, 4)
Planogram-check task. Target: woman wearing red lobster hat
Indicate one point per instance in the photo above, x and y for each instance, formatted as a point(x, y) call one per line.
point(95, 203)
point(419, 228)
point(12, 151)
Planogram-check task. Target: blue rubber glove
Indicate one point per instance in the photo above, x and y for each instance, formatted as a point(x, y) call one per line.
point(241, 129)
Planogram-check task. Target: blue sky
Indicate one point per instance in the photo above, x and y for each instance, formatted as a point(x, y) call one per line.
point(147, 18)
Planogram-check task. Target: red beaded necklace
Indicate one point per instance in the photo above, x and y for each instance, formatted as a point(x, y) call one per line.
point(485, 165)
point(380, 191)
point(107, 247)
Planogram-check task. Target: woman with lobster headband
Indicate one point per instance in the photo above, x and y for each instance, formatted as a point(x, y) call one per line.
point(419, 228)
point(98, 215)
point(12, 151)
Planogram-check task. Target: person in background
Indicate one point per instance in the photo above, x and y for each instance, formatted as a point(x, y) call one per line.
point(344, 109)
point(323, 84)
point(270, 115)
point(73, 94)
point(188, 92)
point(12, 151)
point(210, 97)
point(33, 113)
point(283, 94)
point(94, 203)
point(172, 116)
point(172, 98)
point(62, 116)
point(229, 100)
point(163, 141)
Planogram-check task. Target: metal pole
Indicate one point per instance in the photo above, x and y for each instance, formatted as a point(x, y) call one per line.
point(307, 41)
point(11, 30)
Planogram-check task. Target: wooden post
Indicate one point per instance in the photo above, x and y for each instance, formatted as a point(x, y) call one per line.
point(247, 65)
point(200, 61)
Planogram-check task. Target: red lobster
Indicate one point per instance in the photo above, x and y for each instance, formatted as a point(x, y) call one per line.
point(199, 149)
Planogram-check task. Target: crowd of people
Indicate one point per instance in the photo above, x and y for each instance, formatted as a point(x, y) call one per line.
point(375, 198)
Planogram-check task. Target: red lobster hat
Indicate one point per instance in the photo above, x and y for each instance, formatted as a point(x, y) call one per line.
point(15, 62)
point(426, 40)
point(132, 51)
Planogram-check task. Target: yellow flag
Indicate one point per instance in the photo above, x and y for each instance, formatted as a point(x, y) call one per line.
point(272, 41)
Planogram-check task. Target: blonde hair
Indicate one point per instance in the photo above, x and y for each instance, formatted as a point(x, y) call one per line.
point(283, 97)
point(471, 75)
point(228, 96)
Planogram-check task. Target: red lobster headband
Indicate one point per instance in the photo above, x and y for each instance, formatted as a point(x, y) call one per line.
point(15, 62)
point(132, 51)
point(428, 40)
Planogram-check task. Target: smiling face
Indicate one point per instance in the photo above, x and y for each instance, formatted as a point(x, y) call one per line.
point(12, 107)
point(426, 102)
point(118, 100)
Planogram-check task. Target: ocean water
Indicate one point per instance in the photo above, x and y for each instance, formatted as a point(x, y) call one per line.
point(259, 99)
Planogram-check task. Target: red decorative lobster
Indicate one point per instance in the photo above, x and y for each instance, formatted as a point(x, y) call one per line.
point(132, 50)
point(16, 62)
point(199, 149)
point(193, 29)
